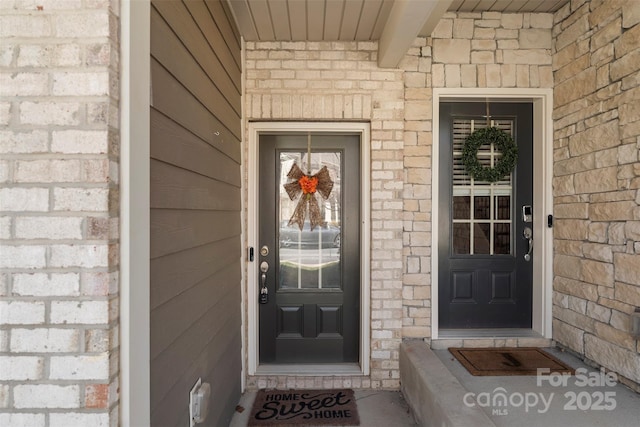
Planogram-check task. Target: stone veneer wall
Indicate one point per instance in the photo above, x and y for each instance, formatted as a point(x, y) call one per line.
point(59, 213)
point(474, 50)
point(596, 185)
point(341, 81)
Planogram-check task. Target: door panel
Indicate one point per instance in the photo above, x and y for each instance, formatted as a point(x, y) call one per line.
point(312, 314)
point(484, 280)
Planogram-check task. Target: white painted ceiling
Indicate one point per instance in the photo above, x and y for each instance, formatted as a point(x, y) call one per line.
point(349, 20)
point(394, 23)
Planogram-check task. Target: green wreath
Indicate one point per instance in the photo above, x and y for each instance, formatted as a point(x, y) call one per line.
point(502, 142)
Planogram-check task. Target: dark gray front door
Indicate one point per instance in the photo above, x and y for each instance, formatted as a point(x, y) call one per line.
point(313, 309)
point(484, 279)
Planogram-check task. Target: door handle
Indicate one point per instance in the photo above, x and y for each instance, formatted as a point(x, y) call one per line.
point(264, 291)
point(528, 235)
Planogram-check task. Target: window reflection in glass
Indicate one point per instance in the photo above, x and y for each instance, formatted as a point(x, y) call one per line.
point(310, 259)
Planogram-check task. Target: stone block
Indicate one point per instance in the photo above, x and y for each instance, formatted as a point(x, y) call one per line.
point(482, 57)
point(575, 287)
point(576, 31)
point(596, 180)
point(610, 32)
point(627, 269)
point(571, 229)
point(630, 14)
point(528, 56)
point(613, 357)
point(598, 312)
point(568, 335)
point(443, 30)
point(468, 75)
point(625, 65)
point(452, 75)
point(451, 51)
point(615, 336)
point(597, 138)
point(484, 33)
point(574, 88)
point(612, 211)
point(541, 20)
point(598, 273)
point(533, 38)
point(567, 266)
point(511, 21)
point(598, 252)
point(563, 185)
point(463, 28)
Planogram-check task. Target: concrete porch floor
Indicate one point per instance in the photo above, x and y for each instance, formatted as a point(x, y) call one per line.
point(442, 392)
point(435, 385)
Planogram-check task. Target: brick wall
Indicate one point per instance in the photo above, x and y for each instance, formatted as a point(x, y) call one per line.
point(58, 212)
point(596, 182)
point(337, 81)
point(341, 80)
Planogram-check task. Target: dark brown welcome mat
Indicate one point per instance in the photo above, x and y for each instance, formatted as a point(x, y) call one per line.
point(304, 408)
point(508, 361)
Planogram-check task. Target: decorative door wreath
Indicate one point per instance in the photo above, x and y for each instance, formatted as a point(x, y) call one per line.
point(307, 186)
point(502, 141)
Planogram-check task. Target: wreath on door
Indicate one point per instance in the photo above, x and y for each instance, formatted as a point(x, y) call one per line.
point(502, 141)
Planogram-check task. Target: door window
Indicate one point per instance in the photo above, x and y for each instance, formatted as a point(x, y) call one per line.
point(481, 211)
point(310, 259)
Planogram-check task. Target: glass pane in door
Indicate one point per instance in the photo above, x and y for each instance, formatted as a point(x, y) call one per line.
point(481, 211)
point(310, 259)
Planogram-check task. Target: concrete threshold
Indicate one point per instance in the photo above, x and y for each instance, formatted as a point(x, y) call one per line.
point(441, 392)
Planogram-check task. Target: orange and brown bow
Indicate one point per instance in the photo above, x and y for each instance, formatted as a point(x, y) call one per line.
point(308, 185)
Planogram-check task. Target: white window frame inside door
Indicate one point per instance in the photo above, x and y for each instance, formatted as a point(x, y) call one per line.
point(251, 301)
point(542, 100)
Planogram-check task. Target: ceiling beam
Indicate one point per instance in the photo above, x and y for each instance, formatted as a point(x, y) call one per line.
point(406, 20)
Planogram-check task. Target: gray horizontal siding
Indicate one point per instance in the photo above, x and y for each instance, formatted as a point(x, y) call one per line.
point(195, 209)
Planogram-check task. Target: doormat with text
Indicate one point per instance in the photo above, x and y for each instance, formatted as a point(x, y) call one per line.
point(508, 361)
point(304, 408)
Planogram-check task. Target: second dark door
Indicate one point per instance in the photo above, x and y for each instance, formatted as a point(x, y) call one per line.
point(485, 275)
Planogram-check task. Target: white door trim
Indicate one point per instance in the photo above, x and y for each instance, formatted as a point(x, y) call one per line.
point(255, 128)
point(542, 100)
point(135, 78)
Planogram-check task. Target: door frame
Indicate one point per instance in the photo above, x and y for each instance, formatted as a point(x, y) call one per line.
point(542, 100)
point(251, 301)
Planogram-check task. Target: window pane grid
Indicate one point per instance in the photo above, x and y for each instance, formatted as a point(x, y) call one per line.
point(481, 210)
